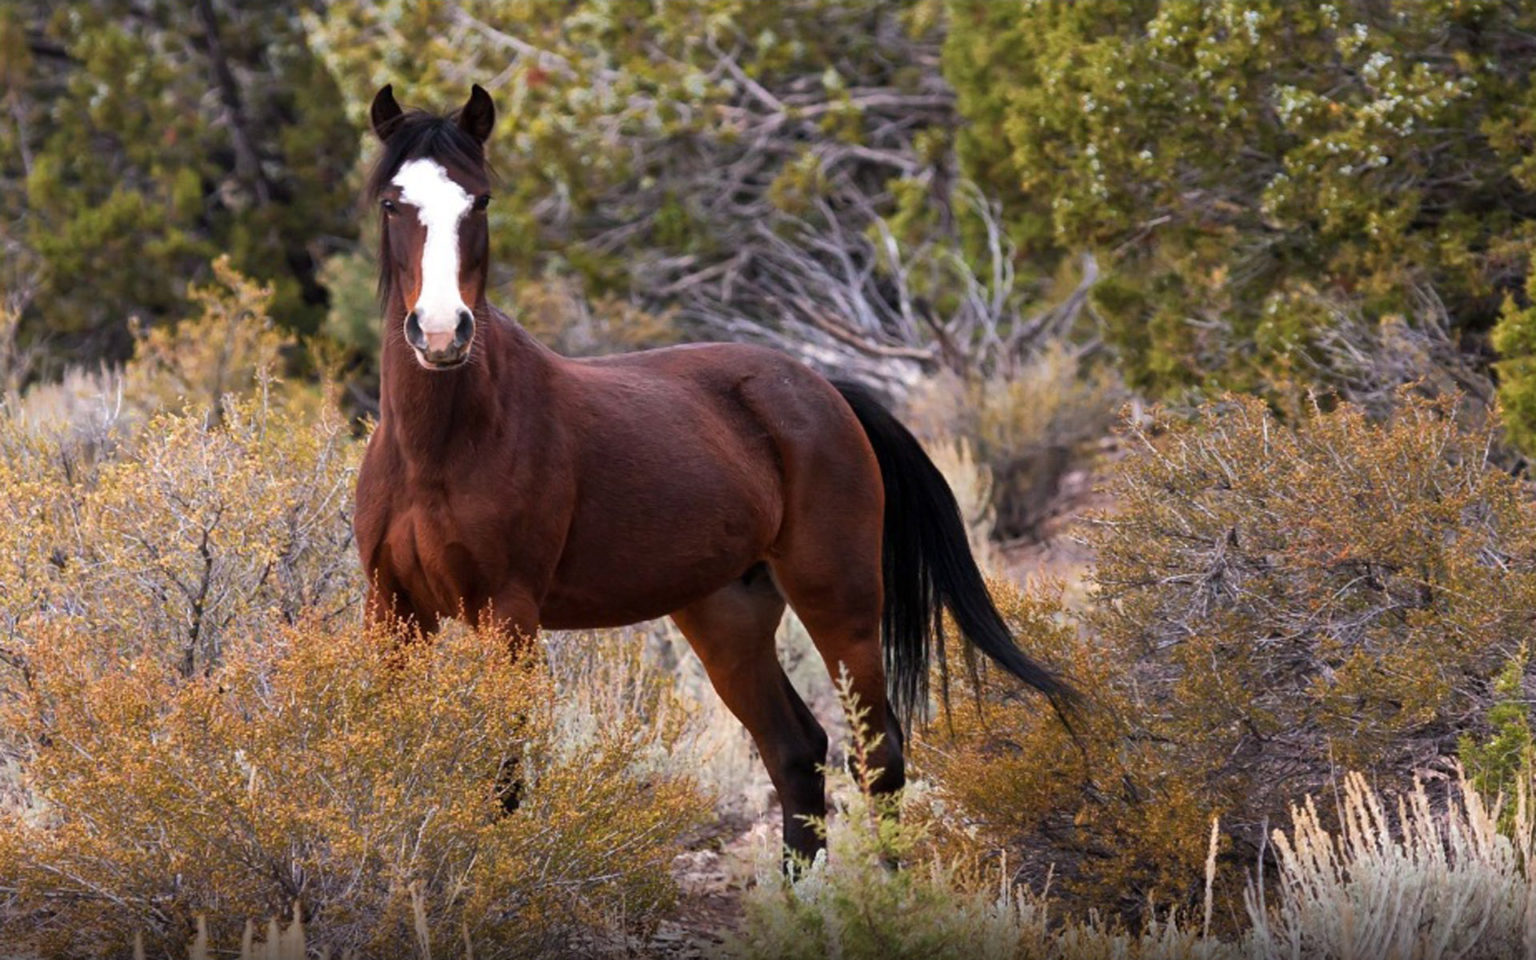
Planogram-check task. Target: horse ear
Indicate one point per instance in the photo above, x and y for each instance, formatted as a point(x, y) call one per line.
point(385, 112)
point(478, 115)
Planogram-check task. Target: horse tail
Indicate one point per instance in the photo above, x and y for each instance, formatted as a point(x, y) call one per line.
point(928, 568)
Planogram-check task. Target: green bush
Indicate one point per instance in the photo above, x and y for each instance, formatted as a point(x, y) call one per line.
point(140, 156)
point(1266, 181)
point(1514, 337)
point(852, 902)
point(1502, 762)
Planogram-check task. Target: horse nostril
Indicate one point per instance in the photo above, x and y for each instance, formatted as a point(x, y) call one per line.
point(465, 329)
point(413, 334)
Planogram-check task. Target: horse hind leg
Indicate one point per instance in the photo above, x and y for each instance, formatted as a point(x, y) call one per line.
point(834, 583)
point(732, 631)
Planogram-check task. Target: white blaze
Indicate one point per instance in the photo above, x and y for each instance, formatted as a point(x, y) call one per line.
point(440, 204)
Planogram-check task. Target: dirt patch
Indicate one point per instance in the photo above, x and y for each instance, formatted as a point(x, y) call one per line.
point(712, 880)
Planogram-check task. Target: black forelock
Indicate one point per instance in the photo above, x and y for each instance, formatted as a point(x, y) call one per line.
point(418, 134)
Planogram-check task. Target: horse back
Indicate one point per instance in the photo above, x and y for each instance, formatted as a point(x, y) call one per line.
point(697, 448)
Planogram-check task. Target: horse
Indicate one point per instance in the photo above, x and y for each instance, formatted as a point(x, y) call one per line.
point(712, 483)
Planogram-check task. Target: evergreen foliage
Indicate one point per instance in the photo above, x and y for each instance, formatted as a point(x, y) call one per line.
point(1269, 182)
point(146, 139)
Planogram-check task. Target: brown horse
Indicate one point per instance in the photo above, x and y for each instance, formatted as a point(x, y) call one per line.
point(710, 483)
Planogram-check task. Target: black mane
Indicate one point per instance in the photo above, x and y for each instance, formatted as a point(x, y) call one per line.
point(417, 134)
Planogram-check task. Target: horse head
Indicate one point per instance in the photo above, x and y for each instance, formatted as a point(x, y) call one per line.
point(433, 186)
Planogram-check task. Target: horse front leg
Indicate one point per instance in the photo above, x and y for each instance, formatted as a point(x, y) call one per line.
point(515, 613)
point(387, 606)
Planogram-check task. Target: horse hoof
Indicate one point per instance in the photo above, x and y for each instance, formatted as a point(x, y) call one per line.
point(512, 796)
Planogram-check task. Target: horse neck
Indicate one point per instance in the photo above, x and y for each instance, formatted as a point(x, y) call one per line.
point(428, 412)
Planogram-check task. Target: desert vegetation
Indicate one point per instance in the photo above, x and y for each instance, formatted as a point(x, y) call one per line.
point(1216, 315)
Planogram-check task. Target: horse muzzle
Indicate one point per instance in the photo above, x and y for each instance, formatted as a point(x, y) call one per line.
point(438, 348)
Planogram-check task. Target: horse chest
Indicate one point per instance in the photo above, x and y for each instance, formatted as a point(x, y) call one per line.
point(434, 559)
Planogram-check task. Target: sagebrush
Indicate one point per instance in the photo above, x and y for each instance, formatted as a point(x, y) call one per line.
point(1271, 603)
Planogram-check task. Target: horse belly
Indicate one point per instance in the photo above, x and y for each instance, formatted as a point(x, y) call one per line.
point(659, 552)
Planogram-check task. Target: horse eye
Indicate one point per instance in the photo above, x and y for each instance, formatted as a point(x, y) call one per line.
point(388, 205)
point(482, 201)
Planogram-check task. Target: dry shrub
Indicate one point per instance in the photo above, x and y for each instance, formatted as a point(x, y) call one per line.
point(231, 347)
point(182, 534)
point(160, 510)
point(84, 402)
point(16, 361)
point(971, 482)
point(314, 766)
point(1339, 593)
point(1101, 817)
point(559, 313)
point(1272, 603)
point(604, 674)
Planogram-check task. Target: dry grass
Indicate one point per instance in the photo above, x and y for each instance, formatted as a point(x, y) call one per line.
point(647, 672)
point(1029, 432)
point(1401, 877)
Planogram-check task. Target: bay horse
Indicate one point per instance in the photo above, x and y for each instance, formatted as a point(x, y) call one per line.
point(712, 483)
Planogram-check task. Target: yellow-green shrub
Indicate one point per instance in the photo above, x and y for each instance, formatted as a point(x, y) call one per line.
point(1501, 763)
point(851, 903)
point(315, 766)
point(232, 346)
point(949, 899)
